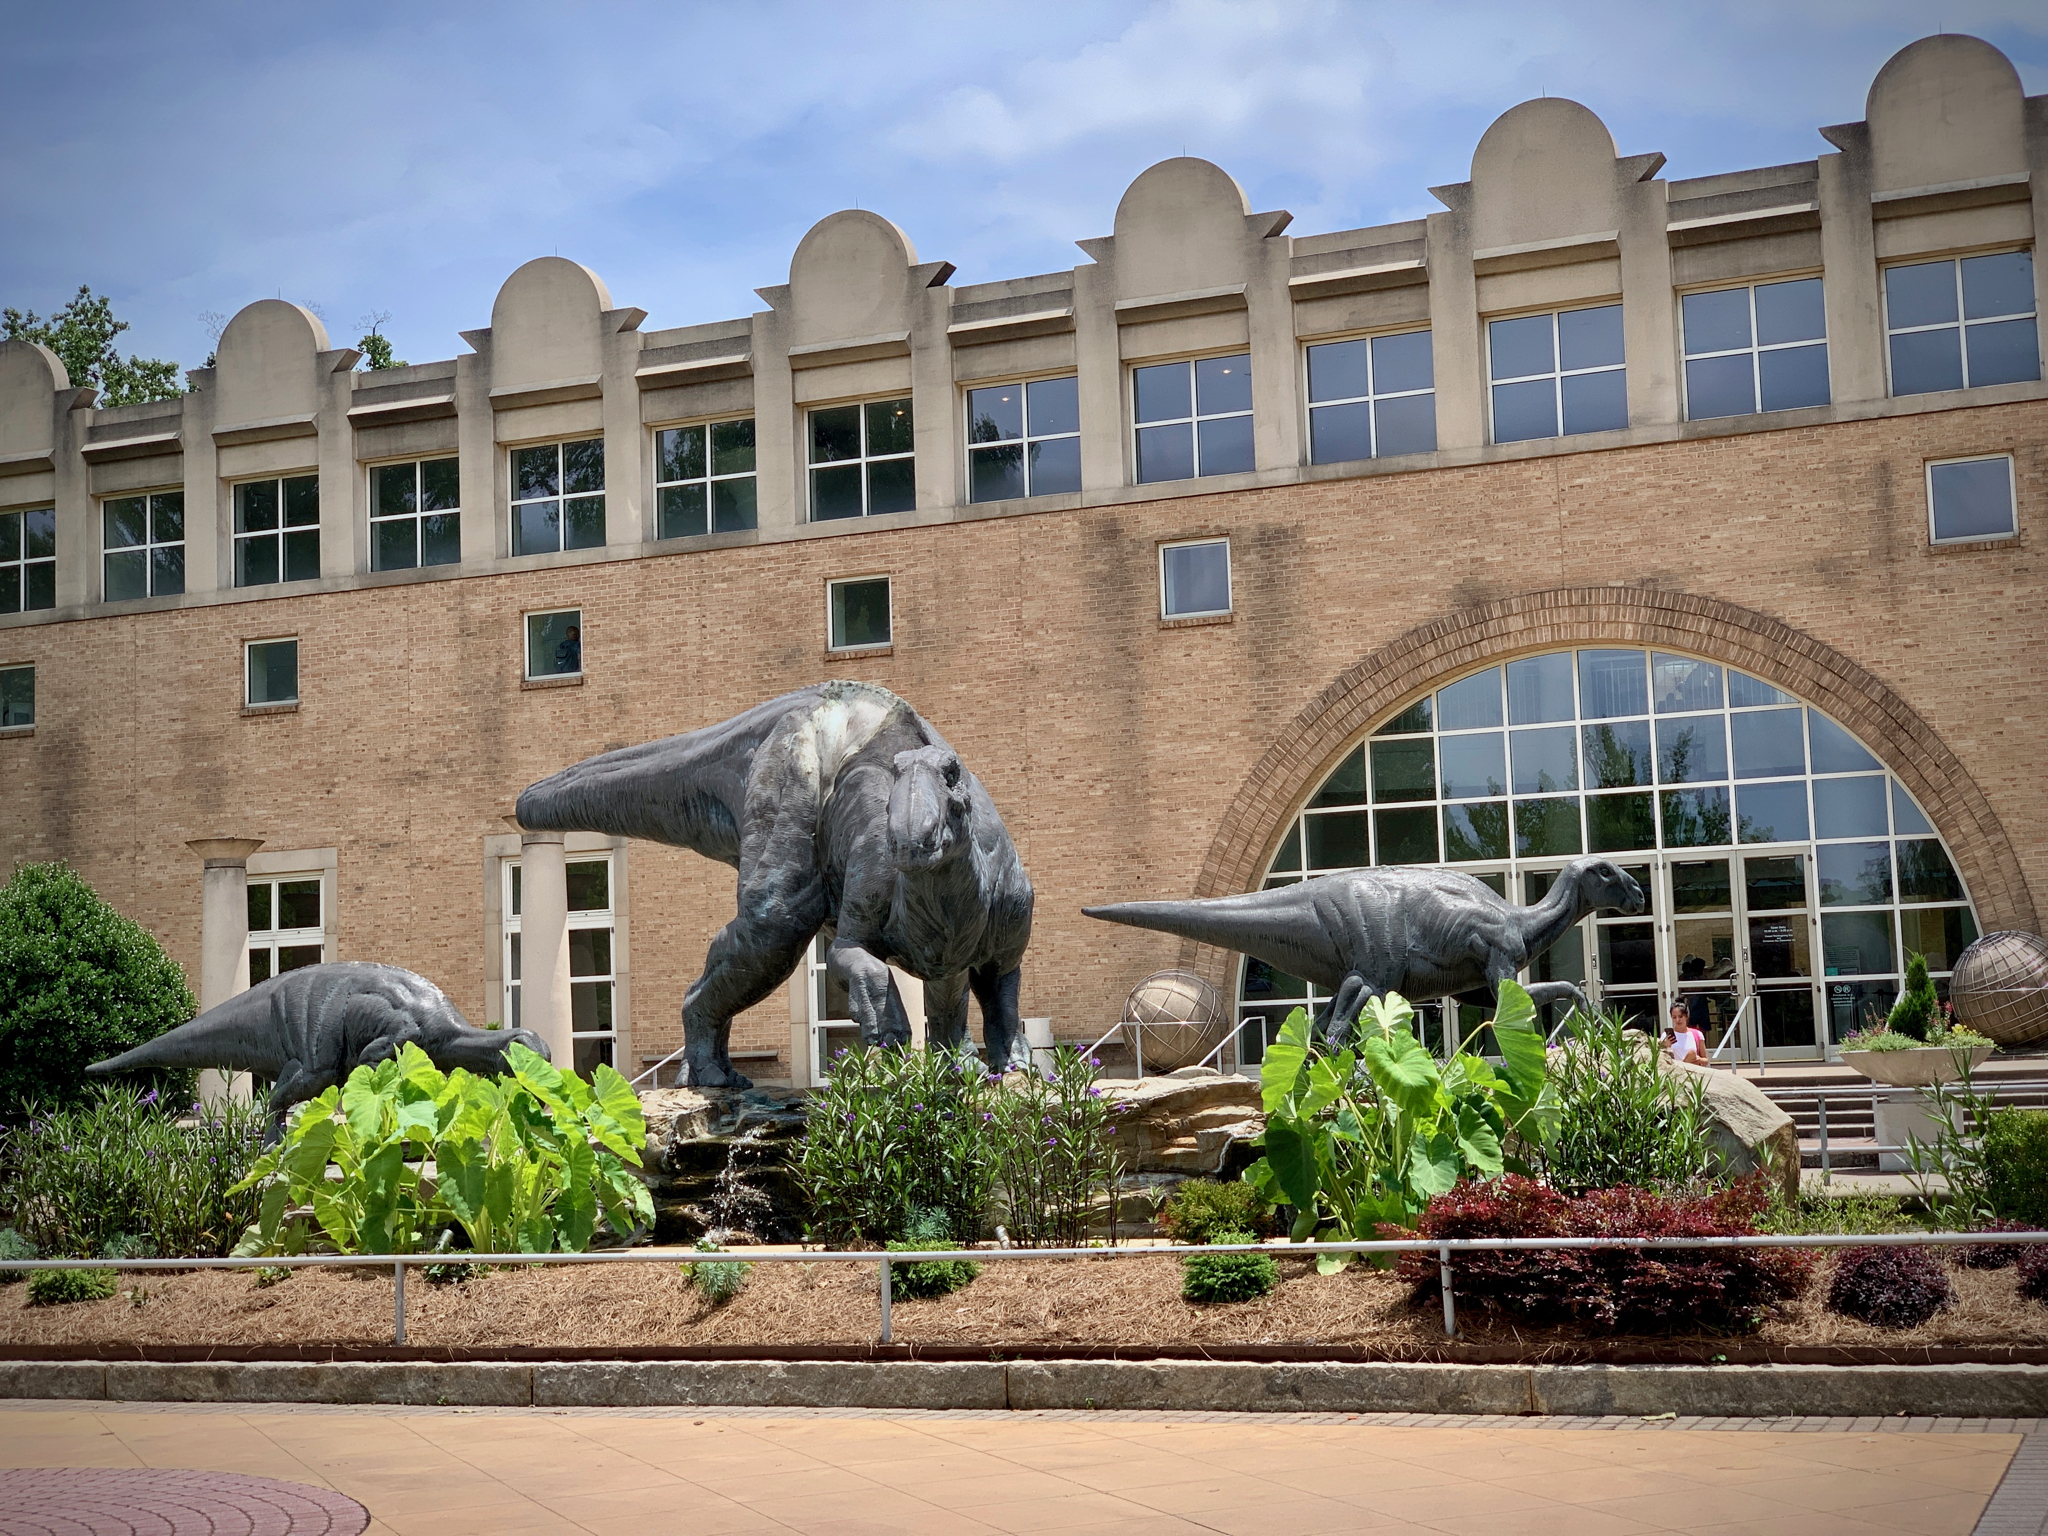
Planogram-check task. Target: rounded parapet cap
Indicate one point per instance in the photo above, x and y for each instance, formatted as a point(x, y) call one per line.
point(549, 285)
point(1947, 108)
point(1544, 170)
point(31, 365)
point(224, 852)
point(1180, 228)
point(1182, 188)
point(270, 328)
point(849, 277)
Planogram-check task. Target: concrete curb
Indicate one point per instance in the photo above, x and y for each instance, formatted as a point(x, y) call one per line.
point(1730, 1391)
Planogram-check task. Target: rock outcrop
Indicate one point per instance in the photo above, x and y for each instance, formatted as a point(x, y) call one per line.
point(718, 1159)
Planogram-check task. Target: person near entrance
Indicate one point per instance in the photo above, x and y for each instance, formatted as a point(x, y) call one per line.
point(1681, 1041)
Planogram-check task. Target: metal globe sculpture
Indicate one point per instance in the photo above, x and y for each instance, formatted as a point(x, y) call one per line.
point(2000, 987)
point(1178, 1019)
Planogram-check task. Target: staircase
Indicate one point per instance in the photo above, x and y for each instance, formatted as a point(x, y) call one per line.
point(1852, 1131)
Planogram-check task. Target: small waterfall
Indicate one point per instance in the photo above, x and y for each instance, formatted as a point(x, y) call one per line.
point(735, 1202)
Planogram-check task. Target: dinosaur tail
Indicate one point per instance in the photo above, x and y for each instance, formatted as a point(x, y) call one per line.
point(1266, 924)
point(231, 1036)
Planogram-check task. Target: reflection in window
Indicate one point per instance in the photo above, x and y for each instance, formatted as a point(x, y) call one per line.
point(28, 560)
point(863, 460)
point(1371, 398)
point(859, 613)
point(277, 530)
point(1023, 439)
point(1961, 324)
point(285, 927)
point(17, 696)
point(1557, 375)
point(558, 497)
point(704, 479)
point(143, 539)
point(415, 514)
point(1192, 418)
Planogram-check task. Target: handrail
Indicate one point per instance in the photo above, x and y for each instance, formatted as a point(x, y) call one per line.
point(1733, 1034)
point(671, 1056)
point(1891, 1094)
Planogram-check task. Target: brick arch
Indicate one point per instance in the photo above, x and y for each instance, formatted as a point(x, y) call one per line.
point(1370, 691)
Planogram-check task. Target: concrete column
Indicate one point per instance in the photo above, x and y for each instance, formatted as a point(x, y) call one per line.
point(1848, 249)
point(778, 435)
point(1099, 365)
point(1455, 329)
point(223, 942)
point(544, 943)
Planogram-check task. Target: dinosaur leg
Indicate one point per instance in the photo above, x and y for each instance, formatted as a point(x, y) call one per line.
point(945, 1013)
point(1342, 1011)
point(873, 1000)
point(751, 956)
point(1541, 992)
point(1002, 1031)
point(293, 1087)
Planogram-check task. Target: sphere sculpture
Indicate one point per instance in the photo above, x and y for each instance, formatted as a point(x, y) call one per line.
point(2000, 987)
point(1178, 1017)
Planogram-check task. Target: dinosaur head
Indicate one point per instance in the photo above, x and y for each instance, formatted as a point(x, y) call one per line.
point(1604, 886)
point(482, 1051)
point(928, 809)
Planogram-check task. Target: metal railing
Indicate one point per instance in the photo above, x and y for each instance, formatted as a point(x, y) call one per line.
point(1889, 1095)
point(1443, 1249)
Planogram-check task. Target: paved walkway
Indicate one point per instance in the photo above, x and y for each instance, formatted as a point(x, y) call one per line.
point(734, 1472)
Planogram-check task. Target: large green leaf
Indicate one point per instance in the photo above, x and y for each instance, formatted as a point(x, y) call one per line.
point(615, 1117)
point(1524, 1060)
point(1391, 1014)
point(382, 1176)
point(306, 1161)
point(363, 1102)
point(575, 1207)
point(1433, 1165)
point(1479, 1141)
point(1327, 1081)
point(1290, 1151)
point(1284, 1059)
point(1404, 1072)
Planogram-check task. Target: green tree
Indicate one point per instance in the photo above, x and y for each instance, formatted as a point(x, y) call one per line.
point(78, 982)
point(375, 345)
point(82, 334)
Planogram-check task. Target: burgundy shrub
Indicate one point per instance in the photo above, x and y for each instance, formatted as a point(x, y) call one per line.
point(1889, 1287)
point(2033, 1268)
point(1991, 1255)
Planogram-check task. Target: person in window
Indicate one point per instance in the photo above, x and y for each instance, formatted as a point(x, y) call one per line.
point(569, 654)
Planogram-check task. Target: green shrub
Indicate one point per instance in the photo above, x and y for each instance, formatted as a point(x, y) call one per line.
point(2015, 1150)
point(126, 1245)
point(941, 1277)
point(61, 1287)
point(1056, 1151)
point(271, 1274)
point(1214, 1277)
point(1200, 1208)
point(717, 1280)
point(78, 983)
point(1917, 1005)
point(14, 1246)
point(1622, 1118)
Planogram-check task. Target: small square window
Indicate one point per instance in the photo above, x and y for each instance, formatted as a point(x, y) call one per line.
point(1194, 579)
point(554, 643)
point(1971, 499)
point(17, 696)
point(272, 672)
point(859, 613)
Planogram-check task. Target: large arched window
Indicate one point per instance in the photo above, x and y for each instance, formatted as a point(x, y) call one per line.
point(1789, 875)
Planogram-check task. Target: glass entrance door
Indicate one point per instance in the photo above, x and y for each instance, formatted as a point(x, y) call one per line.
point(1707, 968)
point(1777, 918)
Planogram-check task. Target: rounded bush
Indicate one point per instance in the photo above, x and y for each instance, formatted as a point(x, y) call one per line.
point(61, 1287)
point(2033, 1267)
point(1991, 1255)
point(1889, 1287)
point(1219, 1277)
point(1200, 1208)
point(14, 1246)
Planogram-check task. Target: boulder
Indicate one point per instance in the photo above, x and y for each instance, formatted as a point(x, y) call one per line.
point(1193, 1121)
point(1749, 1130)
point(718, 1159)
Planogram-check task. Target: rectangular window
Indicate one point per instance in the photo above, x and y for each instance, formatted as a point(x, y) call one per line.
point(17, 696)
point(414, 515)
point(704, 479)
point(277, 530)
point(593, 976)
point(558, 497)
point(1970, 499)
point(1194, 579)
point(1755, 349)
point(1192, 418)
point(1961, 324)
point(1557, 375)
point(554, 644)
point(858, 613)
point(272, 672)
point(285, 926)
point(1371, 398)
point(863, 460)
point(28, 560)
point(144, 542)
point(1023, 439)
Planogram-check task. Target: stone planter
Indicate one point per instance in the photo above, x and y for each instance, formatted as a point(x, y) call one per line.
point(1920, 1068)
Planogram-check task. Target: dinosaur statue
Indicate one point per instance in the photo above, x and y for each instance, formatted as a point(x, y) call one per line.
point(307, 1029)
point(843, 810)
point(1422, 932)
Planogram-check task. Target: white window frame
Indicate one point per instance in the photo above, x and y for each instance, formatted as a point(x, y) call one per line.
point(1960, 325)
point(1371, 400)
point(862, 460)
point(1027, 441)
point(15, 570)
point(1558, 372)
point(240, 540)
point(710, 479)
point(867, 647)
point(1192, 421)
point(273, 938)
point(30, 723)
point(148, 547)
point(607, 919)
point(1229, 579)
point(2011, 500)
point(821, 1027)
point(419, 514)
point(1755, 349)
point(248, 674)
point(526, 619)
point(562, 497)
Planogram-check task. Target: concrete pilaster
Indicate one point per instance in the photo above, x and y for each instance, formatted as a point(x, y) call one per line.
point(1848, 247)
point(223, 942)
point(544, 943)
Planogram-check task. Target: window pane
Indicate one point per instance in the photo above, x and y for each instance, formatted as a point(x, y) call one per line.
point(1744, 691)
point(1346, 785)
point(892, 486)
point(537, 528)
point(1793, 377)
point(995, 474)
point(293, 957)
point(1289, 856)
point(1197, 578)
point(1589, 338)
point(1691, 751)
point(679, 454)
point(1794, 311)
point(167, 570)
point(1403, 770)
point(1223, 384)
point(1338, 433)
point(589, 884)
point(1695, 818)
point(1834, 749)
point(1055, 406)
point(1521, 347)
point(1337, 370)
point(298, 904)
point(995, 415)
point(554, 643)
point(835, 435)
point(1775, 884)
point(440, 485)
point(440, 539)
point(1924, 294)
point(734, 505)
point(1470, 703)
point(1620, 823)
point(18, 696)
point(583, 465)
point(1226, 445)
point(256, 506)
point(1973, 499)
point(835, 492)
point(1524, 411)
point(535, 472)
point(1473, 766)
point(583, 522)
point(1906, 817)
point(1849, 807)
point(1716, 322)
point(1926, 361)
point(1406, 836)
point(302, 501)
point(127, 574)
point(1701, 886)
point(1682, 684)
point(259, 906)
point(1925, 873)
point(1336, 841)
point(1854, 875)
point(732, 447)
point(860, 613)
point(39, 533)
point(1939, 933)
point(1402, 363)
point(167, 517)
point(125, 522)
point(1719, 386)
point(1612, 683)
point(10, 535)
point(302, 555)
point(590, 1013)
point(1056, 466)
point(1544, 827)
point(1628, 953)
point(256, 561)
point(1769, 744)
point(683, 512)
point(274, 672)
point(1405, 425)
point(1544, 760)
point(1998, 285)
point(393, 490)
point(590, 954)
point(1595, 402)
point(1540, 689)
point(2003, 353)
point(889, 427)
point(1166, 453)
point(1162, 393)
point(1856, 943)
point(393, 544)
point(1771, 813)
point(1618, 756)
point(1477, 831)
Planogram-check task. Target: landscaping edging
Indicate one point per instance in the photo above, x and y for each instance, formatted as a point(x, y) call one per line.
point(1733, 1391)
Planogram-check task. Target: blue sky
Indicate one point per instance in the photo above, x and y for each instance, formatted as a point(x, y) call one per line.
point(192, 158)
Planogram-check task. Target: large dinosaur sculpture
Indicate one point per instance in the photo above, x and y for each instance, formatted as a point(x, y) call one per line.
point(843, 809)
point(309, 1028)
point(1422, 932)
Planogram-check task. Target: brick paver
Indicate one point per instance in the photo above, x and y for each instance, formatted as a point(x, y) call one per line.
point(127, 1501)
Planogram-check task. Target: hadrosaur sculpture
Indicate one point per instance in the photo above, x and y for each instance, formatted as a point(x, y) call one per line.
point(843, 810)
point(1425, 933)
point(309, 1028)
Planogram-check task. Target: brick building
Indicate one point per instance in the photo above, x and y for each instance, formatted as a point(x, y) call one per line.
point(1691, 521)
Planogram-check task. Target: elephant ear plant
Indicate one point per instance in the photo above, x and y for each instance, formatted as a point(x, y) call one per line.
point(1357, 1139)
point(523, 1164)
